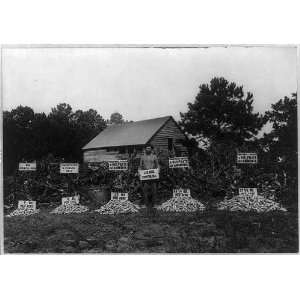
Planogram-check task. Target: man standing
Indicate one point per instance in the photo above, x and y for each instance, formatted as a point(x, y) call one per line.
point(149, 161)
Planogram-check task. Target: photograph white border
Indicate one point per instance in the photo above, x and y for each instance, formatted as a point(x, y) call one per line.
point(173, 277)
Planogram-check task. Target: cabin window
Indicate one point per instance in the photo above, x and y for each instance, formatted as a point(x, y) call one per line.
point(122, 150)
point(170, 144)
point(130, 149)
point(138, 148)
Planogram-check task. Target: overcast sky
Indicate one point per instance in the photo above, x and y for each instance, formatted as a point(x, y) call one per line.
point(141, 83)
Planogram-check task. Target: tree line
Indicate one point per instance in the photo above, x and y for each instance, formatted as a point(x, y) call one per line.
point(222, 120)
point(221, 117)
point(29, 136)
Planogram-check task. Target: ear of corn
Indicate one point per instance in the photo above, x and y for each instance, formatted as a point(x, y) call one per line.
point(117, 206)
point(245, 203)
point(23, 212)
point(70, 209)
point(181, 204)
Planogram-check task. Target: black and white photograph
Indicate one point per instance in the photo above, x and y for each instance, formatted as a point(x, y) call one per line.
point(150, 149)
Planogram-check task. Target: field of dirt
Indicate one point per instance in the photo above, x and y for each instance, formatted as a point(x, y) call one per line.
point(158, 232)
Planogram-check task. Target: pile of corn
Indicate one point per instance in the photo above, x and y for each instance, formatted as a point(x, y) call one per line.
point(181, 204)
point(243, 203)
point(69, 209)
point(117, 206)
point(23, 212)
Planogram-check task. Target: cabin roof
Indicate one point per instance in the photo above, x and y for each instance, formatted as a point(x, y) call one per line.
point(131, 133)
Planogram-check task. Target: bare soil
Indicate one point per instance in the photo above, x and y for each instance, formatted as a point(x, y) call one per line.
point(153, 232)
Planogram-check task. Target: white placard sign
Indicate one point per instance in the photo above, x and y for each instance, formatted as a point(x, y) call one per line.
point(118, 165)
point(247, 158)
point(179, 193)
point(27, 166)
point(27, 205)
point(123, 196)
point(113, 196)
point(70, 200)
point(179, 162)
point(68, 168)
point(119, 196)
point(252, 192)
point(149, 174)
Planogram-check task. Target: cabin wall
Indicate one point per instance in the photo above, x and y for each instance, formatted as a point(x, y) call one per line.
point(102, 155)
point(170, 130)
point(99, 155)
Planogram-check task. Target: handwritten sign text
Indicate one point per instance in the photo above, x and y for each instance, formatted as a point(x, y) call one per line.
point(70, 200)
point(149, 174)
point(252, 192)
point(27, 166)
point(119, 196)
point(68, 168)
point(179, 162)
point(180, 193)
point(118, 165)
point(247, 158)
point(27, 205)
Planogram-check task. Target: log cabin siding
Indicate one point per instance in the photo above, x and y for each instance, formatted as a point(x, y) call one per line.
point(169, 130)
point(99, 155)
point(102, 155)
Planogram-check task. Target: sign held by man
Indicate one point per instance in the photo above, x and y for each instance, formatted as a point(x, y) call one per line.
point(149, 174)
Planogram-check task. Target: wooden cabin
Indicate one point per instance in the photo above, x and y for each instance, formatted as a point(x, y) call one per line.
point(122, 141)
